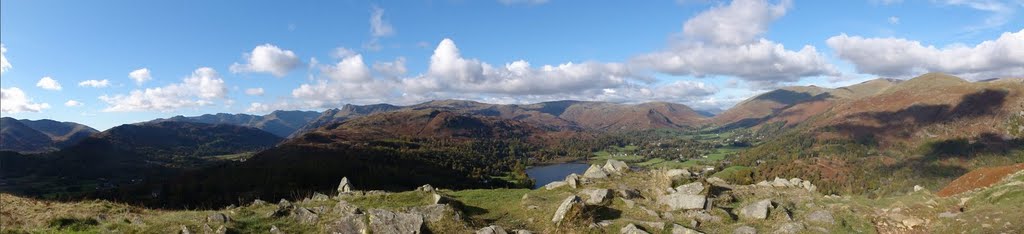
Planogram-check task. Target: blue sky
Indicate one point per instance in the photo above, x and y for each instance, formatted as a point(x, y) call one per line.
point(258, 56)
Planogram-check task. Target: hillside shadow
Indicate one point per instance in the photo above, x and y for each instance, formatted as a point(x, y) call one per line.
point(901, 123)
point(786, 97)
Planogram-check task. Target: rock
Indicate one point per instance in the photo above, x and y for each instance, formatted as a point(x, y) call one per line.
point(136, 220)
point(602, 223)
point(795, 182)
point(258, 202)
point(436, 212)
point(744, 230)
point(521, 231)
point(756, 210)
point(629, 203)
point(719, 182)
point(221, 230)
point(307, 216)
point(387, 222)
point(573, 180)
point(217, 218)
point(426, 188)
point(207, 229)
point(348, 224)
point(284, 208)
point(493, 229)
point(705, 217)
point(632, 229)
point(821, 217)
point(649, 212)
point(275, 230)
point(918, 188)
point(570, 203)
point(345, 208)
point(628, 193)
point(184, 230)
point(679, 229)
point(808, 186)
point(441, 199)
point(526, 196)
point(691, 188)
point(790, 228)
point(595, 172)
point(597, 196)
point(780, 182)
point(615, 167)
point(681, 201)
point(948, 214)
point(912, 222)
point(344, 186)
point(671, 174)
point(764, 183)
point(320, 197)
point(555, 185)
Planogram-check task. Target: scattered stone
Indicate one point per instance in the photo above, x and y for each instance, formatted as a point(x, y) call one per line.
point(573, 180)
point(184, 230)
point(629, 203)
point(441, 199)
point(595, 172)
point(275, 230)
point(344, 207)
point(654, 225)
point(344, 186)
point(307, 216)
point(628, 193)
point(526, 196)
point(912, 222)
point(258, 202)
point(719, 182)
point(568, 204)
point(217, 218)
point(795, 182)
point(348, 224)
point(597, 196)
point(780, 182)
point(221, 230)
point(387, 222)
point(555, 185)
point(426, 188)
point(632, 229)
point(821, 217)
point(918, 188)
point(756, 210)
point(521, 231)
point(744, 230)
point(320, 197)
point(671, 174)
point(615, 167)
point(602, 223)
point(284, 208)
point(493, 229)
point(207, 229)
point(705, 217)
point(436, 212)
point(691, 188)
point(808, 186)
point(649, 212)
point(532, 207)
point(679, 229)
point(790, 228)
point(681, 201)
point(764, 184)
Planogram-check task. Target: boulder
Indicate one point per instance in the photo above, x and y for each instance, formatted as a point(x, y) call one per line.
point(258, 202)
point(788, 228)
point(681, 201)
point(821, 217)
point(184, 230)
point(348, 224)
point(344, 208)
point(780, 182)
point(388, 222)
point(595, 172)
point(573, 180)
point(691, 188)
point(756, 210)
point(679, 229)
point(795, 181)
point(632, 229)
point(320, 197)
point(284, 208)
point(570, 203)
point(597, 196)
point(808, 186)
point(672, 174)
point(344, 186)
point(275, 230)
point(441, 199)
point(555, 185)
point(719, 182)
point(615, 167)
point(221, 230)
point(217, 218)
point(426, 188)
point(304, 215)
point(493, 229)
point(918, 188)
point(744, 230)
point(764, 183)
point(436, 212)
point(628, 193)
point(521, 231)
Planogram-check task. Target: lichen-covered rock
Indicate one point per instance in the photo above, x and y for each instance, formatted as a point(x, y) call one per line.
point(821, 217)
point(307, 216)
point(570, 203)
point(595, 172)
point(691, 188)
point(348, 224)
point(218, 218)
point(680, 229)
point(597, 196)
point(320, 197)
point(615, 167)
point(787, 228)
point(780, 182)
point(555, 185)
point(426, 188)
point(275, 230)
point(344, 186)
point(744, 230)
point(632, 229)
point(756, 210)
point(388, 222)
point(493, 229)
point(573, 180)
point(681, 201)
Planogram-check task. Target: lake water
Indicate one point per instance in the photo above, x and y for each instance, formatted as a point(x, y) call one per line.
point(550, 173)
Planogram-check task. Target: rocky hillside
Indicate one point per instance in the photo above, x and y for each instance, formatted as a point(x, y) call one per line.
point(606, 199)
point(280, 123)
point(36, 136)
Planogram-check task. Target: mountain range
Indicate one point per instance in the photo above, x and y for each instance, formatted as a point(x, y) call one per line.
point(34, 136)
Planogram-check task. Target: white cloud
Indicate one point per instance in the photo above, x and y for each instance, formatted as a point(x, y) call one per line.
point(391, 69)
point(48, 83)
point(140, 75)
point(896, 57)
point(254, 91)
point(270, 59)
point(1000, 12)
point(4, 64)
point(95, 83)
point(378, 26)
point(348, 81)
point(886, 2)
point(13, 100)
point(73, 103)
point(894, 20)
point(726, 40)
point(199, 89)
point(342, 52)
point(524, 2)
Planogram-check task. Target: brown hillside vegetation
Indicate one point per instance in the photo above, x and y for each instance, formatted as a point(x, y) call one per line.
point(979, 178)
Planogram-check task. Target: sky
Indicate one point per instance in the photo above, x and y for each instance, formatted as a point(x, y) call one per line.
point(115, 62)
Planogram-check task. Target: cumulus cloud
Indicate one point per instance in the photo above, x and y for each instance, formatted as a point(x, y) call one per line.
point(48, 83)
point(897, 57)
point(4, 64)
point(254, 91)
point(350, 80)
point(199, 89)
point(727, 40)
point(391, 69)
point(140, 75)
point(1000, 12)
point(270, 59)
point(72, 103)
point(523, 2)
point(95, 83)
point(378, 26)
point(13, 100)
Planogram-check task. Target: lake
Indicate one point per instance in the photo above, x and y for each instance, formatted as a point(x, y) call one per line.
point(555, 172)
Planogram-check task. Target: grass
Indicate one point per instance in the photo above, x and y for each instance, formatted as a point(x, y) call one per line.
point(393, 200)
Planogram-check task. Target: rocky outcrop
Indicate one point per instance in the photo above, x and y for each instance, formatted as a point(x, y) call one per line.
point(595, 172)
point(632, 229)
point(493, 229)
point(307, 216)
point(597, 196)
point(793, 182)
point(681, 201)
point(691, 188)
point(348, 224)
point(555, 185)
point(615, 167)
point(344, 186)
point(821, 217)
point(573, 180)
point(679, 229)
point(389, 222)
point(756, 210)
point(568, 206)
